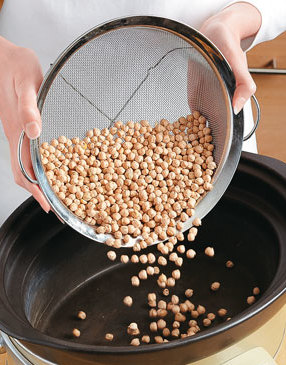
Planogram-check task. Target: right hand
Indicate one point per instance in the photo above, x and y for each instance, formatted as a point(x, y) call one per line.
point(20, 79)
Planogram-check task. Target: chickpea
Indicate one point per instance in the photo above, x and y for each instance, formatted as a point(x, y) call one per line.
point(150, 270)
point(162, 261)
point(189, 293)
point(128, 301)
point(201, 309)
point(133, 329)
point(207, 322)
point(171, 282)
point(256, 291)
point(222, 312)
point(183, 307)
point(161, 324)
point(180, 317)
point(197, 222)
point(179, 261)
point(143, 259)
point(209, 251)
point(143, 275)
point(250, 300)
point(153, 313)
point(162, 304)
point(191, 253)
point(151, 258)
point(76, 332)
point(81, 315)
point(134, 259)
point(124, 259)
point(135, 342)
point(162, 313)
point(166, 292)
point(229, 264)
point(158, 339)
point(111, 255)
point(215, 286)
point(151, 297)
point(181, 249)
point(109, 336)
point(175, 333)
point(135, 281)
point(153, 327)
point(166, 332)
point(145, 339)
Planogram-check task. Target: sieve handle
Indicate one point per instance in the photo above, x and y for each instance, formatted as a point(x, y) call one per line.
point(257, 119)
point(21, 165)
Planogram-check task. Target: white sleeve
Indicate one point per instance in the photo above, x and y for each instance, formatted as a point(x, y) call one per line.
point(273, 14)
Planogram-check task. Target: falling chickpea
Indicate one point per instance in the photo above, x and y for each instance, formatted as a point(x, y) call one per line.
point(181, 249)
point(124, 259)
point(166, 292)
point(229, 264)
point(111, 255)
point(215, 286)
point(189, 293)
point(143, 275)
point(191, 253)
point(209, 251)
point(176, 274)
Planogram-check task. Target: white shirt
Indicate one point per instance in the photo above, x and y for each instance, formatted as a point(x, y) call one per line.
point(49, 26)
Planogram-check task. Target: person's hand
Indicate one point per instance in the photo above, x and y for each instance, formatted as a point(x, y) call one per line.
point(226, 30)
point(20, 79)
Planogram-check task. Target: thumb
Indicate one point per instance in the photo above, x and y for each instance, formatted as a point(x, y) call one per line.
point(245, 86)
point(28, 112)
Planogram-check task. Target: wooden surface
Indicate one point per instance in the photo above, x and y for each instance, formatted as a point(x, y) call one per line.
point(271, 94)
point(262, 54)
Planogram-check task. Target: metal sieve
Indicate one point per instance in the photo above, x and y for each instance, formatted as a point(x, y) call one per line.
point(132, 69)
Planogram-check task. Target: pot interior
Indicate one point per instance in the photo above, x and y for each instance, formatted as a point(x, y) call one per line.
point(59, 272)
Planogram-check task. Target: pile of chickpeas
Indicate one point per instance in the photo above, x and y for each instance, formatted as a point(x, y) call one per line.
point(133, 180)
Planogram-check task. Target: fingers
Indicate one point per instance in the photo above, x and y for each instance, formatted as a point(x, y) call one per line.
point(229, 45)
point(245, 86)
point(26, 88)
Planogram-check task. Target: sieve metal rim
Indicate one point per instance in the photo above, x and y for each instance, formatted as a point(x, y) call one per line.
point(218, 63)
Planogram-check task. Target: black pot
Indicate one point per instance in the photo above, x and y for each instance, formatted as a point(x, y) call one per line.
point(49, 272)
